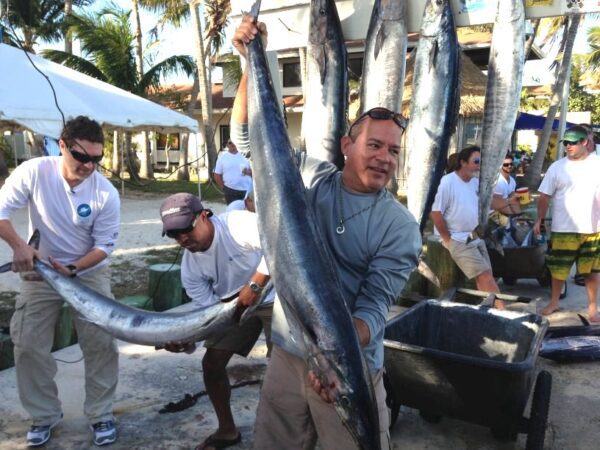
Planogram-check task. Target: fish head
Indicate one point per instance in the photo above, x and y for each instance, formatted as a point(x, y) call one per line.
point(372, 154)
point(350, 401)
point(432, 16)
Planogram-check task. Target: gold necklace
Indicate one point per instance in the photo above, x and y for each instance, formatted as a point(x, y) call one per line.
point(340, 229)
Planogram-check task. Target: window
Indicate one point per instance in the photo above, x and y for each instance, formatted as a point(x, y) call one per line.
point(355, 68)
point(161, 141)
point(472, 129)
point(223, 134)
point(291, 74)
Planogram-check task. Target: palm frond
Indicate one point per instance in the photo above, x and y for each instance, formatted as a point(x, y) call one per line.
point(173, 65)
point(74, 62)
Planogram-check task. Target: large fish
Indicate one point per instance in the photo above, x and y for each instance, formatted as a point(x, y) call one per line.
point(300, 266)
point(434, 108)
point(570, 349)
point(385, 57)
point(325, 116)
point(572, 343)
point(136, 325)
point(502, 96)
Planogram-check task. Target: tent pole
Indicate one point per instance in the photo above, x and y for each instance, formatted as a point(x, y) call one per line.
point(122, 166)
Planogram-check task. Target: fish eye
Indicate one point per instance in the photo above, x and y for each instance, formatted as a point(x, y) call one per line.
point(345, 401)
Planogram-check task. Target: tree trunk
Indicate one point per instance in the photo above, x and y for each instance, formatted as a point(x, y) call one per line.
point(146, 158)
point(183, 173)
point(533, 174)
point(205, 89)
point(3, 166)
point(530, 39)
point(68, 37)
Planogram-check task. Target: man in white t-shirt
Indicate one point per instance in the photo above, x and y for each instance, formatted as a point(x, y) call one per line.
point(504, 202)
point(573, 185)
point(455, 215)
point(233, 173)
point(77, 213)
point(246, 204)
point(222, 260)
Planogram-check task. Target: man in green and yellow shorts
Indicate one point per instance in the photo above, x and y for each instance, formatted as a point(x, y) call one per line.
point(574, 187)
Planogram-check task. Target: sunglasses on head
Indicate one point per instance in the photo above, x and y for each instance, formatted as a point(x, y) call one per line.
point(565, 142)
point(84, 158)
point(174, 234)
point(380, 114)
point(507, 165)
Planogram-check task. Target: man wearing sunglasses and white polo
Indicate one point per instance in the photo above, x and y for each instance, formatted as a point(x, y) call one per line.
point(574, 187)
point(454, 214)
point(77, 212)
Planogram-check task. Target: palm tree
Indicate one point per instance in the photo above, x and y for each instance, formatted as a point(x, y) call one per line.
point(39, 20)
point(174, 12)
point(145, 162)
point(593, 57)
point(107, 46)
point(534, 171)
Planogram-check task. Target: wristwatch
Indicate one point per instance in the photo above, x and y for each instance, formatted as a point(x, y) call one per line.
point(255, 287)
point(72, 269)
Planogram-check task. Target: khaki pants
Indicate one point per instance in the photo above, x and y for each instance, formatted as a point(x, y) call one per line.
point(291, 415)
point(32, 331)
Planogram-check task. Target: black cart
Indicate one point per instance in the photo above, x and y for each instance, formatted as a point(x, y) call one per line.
point(471, 363)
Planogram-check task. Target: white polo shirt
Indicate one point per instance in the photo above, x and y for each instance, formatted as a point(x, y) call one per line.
point(71, 221)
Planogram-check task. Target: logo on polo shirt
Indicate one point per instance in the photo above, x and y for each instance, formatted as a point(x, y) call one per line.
point(84, 210)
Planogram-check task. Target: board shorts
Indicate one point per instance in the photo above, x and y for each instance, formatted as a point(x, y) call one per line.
point(569, 248)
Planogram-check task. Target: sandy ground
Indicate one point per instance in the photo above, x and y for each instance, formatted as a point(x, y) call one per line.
point(150, 379)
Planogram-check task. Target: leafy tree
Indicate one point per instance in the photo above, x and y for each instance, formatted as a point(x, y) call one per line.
point(215, 20)
point(38, 20)
point(107, 47)
point(534, 171)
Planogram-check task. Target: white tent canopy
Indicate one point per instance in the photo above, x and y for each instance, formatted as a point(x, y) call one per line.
point(27, 101)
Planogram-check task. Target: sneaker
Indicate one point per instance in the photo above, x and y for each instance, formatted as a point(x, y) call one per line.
point(104, 432)
point(40, 434)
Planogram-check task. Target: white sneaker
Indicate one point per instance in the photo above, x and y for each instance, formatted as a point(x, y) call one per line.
point(104, 432)
point(40, 434)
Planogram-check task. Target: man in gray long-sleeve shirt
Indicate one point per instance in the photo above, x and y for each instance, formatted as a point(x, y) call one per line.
point(375, 243)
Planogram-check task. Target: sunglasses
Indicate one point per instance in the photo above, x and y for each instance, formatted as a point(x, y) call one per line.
point(174, 234)
point(507, 165)
point(565, 143)
point(380, 114)
point(84, 158)
point(477, 160)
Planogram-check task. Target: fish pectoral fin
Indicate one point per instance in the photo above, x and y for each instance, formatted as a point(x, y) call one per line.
point(379, 41)
point(320, 55)
point(34, 240)
point(433, 54)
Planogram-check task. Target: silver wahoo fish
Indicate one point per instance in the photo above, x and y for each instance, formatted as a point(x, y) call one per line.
point(325, 116)
point(502, 96)
point(385, 57)
point(434, 108)
point(136, 325)
point(299, 263)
